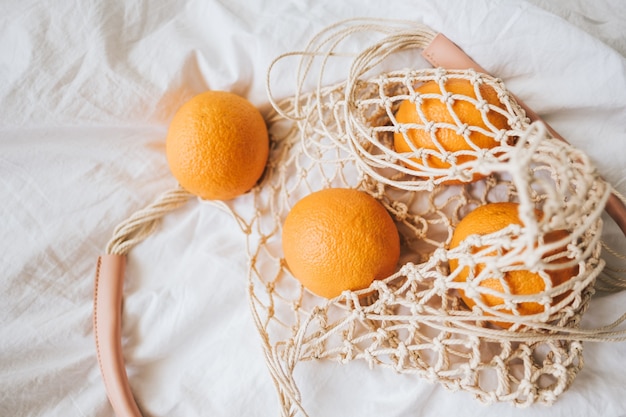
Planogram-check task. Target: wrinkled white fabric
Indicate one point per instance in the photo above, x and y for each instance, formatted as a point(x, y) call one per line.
point(87, 90)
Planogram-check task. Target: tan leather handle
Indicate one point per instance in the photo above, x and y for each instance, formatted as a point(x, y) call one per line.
point(109, 285)
point(442, 52)
point(107, 323)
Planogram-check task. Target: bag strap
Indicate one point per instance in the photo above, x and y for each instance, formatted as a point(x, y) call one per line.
point(108, 294)
point(107, 324)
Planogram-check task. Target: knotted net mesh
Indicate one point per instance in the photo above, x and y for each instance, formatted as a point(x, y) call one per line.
point(414, 321)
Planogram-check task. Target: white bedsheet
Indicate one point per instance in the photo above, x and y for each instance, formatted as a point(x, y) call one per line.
point(87, 90)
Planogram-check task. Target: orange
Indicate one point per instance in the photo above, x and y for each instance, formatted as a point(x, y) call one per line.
point(449, 138)
point(488, 219)
point(217, 145)
point(339, 239)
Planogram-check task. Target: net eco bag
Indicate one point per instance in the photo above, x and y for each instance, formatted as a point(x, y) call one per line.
point(413, 321)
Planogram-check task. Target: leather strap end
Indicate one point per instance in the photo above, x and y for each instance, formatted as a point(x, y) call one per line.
point(442, 52)
point(107, 323)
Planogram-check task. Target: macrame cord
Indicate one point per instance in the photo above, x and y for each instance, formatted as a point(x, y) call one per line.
point(413, 322)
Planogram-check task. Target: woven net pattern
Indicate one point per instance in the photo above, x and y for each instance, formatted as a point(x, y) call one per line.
point(414, 321)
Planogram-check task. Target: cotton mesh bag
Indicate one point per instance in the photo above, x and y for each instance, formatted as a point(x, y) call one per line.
point(414, 321)
point(522, 349)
